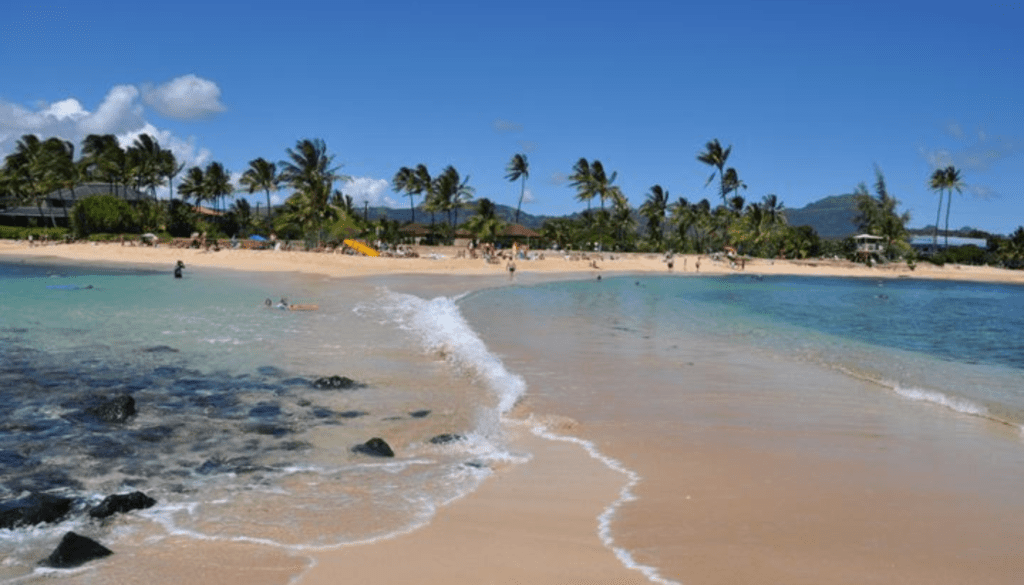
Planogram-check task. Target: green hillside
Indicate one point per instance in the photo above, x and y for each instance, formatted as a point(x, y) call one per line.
point(832, 217)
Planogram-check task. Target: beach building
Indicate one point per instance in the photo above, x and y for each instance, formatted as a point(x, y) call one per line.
point(925, 243)
point(56, 206)
point(869, 246)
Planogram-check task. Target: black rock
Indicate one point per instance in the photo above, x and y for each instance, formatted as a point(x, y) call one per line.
point(336, 382)
point(160, 349)
point(75, 550)
point(376, 447)
point(446, 438)
point(352, 414)
point(116, 410)
point(34, 509)
point(122, 503)
point(419, 413)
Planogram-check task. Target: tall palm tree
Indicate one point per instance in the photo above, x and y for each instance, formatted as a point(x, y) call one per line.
point(683, 216)
point(262, 175)
point(193, 185)
point(452, 193)
point(27, 170)
point(582, 180)
point(518, 169)
point(947, 179)
point(603, 183)
point(953, 182)
point(653, 209)
point(310, 171)
point(145, 163)
point(62, 172)
point(715, 156)
point(937, 184)
point(404, 181)
point(217, 183)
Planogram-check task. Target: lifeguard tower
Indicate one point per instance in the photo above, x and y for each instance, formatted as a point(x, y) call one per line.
point(869, 246)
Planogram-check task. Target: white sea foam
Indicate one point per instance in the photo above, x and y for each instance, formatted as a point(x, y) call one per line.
point(957, 404)
point(605, 518)
point(440, 327)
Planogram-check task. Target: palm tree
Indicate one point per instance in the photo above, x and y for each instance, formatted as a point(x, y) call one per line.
point(937, 184)
point(404, 181)
point(145, 162)
point(654, 209)
point(715, 156)
point(62, 172)
point(603, 183)
point(518, 168)
point(262, 174)
point(193, 185)
point(683, 216)
point(217, 183)
point(947, 179)
point(582, 180)
point(485, 225)
point(451, 193)
point(27, 169)
point(310, 172)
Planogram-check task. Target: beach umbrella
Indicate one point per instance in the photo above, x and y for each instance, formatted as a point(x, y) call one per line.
point(148, 236)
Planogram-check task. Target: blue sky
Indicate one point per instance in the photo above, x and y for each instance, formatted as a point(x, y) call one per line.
point(810, 94)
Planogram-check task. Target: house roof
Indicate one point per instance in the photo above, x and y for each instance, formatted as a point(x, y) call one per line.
point(89, 189)
point(518, 230)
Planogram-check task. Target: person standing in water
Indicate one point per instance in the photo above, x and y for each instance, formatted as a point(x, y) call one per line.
point(178, 269)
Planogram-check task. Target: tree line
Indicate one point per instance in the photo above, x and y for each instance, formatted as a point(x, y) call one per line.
point(317, 210)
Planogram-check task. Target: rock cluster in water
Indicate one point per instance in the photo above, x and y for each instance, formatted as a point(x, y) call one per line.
point(121, 503)
point(336, 383)
point(116, 410)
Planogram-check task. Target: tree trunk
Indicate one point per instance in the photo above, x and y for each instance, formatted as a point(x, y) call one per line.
point(935, 233)
point(949, 201)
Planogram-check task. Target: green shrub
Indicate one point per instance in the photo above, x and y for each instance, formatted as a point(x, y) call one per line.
point(103, 214)
point(22, 233)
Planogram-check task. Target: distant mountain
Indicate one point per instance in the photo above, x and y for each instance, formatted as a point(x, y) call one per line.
point(504, 212)
point(832, 217)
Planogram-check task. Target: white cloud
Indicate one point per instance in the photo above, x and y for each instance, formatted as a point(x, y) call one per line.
point(186, 97)
point(374, 191)
point(528, 196)
point(119, 113)
point(506, 126)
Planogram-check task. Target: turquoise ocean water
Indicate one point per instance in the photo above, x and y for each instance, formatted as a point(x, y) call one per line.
point(228, 420)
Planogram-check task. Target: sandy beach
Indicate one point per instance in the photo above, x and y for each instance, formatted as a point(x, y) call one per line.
point(444, 260)
point(539, 522)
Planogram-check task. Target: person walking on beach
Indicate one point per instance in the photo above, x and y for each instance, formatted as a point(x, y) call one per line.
point(511, 269)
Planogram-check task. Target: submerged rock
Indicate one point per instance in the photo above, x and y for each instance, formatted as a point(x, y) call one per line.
point(446, 438)
point(120, 503)
point(34, 509)
point(419, 413)
point(75, 550)
point(337, 383)
point(116, 410)
point(375, 447)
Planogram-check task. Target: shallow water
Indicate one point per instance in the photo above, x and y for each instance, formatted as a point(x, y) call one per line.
point(231, 436)
point(238, 447)
point(778, 444)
